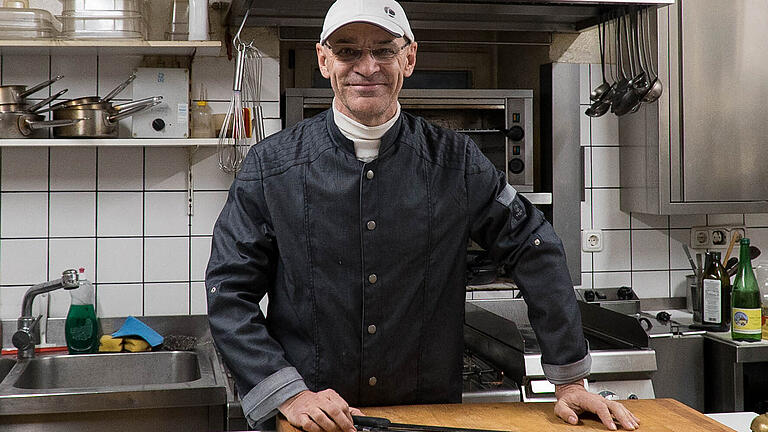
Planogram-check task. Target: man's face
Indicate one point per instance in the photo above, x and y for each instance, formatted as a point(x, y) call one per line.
point(366, 89)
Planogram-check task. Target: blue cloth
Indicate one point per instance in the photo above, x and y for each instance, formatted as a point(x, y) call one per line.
point(134, 327)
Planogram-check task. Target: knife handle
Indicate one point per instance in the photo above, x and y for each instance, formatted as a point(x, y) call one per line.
point(374, 422)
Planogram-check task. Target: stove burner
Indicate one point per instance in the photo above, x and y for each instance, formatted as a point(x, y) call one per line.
point(479, 375)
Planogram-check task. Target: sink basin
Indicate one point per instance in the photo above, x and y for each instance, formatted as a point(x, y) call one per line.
point(108, 370)
point(6, 365)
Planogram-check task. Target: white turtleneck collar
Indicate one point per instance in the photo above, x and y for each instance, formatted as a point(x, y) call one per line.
point(367, 139)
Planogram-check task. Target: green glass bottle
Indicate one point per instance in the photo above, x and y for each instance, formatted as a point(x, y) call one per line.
point(745, 299)
point(716, 292)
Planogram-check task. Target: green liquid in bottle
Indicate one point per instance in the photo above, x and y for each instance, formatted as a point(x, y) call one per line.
point(82, 329)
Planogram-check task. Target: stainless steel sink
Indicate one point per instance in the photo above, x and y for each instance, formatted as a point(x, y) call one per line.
point(6, 365)
point(159, 390)
point(109, 370)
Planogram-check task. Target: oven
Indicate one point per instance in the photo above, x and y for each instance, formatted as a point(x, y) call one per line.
point(500, 122)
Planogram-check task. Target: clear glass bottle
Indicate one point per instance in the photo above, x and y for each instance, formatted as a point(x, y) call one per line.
point(746, 317)
point(715, 292)
point(201, 117)
point(761, 273)
point(81, 328)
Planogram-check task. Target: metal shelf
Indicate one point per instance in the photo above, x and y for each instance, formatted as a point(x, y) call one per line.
point(110, 47)
point(117, 142)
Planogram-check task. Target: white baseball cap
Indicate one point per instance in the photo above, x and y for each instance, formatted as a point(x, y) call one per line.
point(387, 14)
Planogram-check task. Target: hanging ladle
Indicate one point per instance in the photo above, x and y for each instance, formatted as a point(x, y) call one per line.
point(602, 104)
point(656, 88)
point(622, 86)
point(600, 90)
point(631, 99)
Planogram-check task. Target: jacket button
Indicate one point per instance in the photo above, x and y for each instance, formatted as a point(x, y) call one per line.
point(369, 174)
point(372, 381)
point(372, 278)
point(537, 242)
point(371, 225)
point(371, 329)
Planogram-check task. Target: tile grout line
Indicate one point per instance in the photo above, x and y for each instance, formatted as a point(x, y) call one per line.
point(96, 223)
point(143, 226)
point(591, 183)
point(190, 213)
point(48, 224)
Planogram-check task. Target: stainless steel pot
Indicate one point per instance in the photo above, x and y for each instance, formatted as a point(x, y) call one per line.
point(16, 94)
point(100, 120)
point(28, 125)
point(89, 100)
point(14, 108)
point(20, 108)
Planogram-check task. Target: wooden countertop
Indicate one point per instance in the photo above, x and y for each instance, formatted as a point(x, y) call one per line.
point(656, 415)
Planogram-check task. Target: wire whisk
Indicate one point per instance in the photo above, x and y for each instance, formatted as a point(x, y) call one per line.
point(233, 141)
point(240, 130)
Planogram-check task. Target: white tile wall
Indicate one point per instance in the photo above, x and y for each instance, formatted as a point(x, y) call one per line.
point(642, 251)
point(120, 212)
point(73, 169)
point(24, 169)
point(120, 168)
point(24, 214)
point(72, 214)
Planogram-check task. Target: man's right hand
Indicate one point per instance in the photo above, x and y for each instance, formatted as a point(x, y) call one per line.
point(318, 412)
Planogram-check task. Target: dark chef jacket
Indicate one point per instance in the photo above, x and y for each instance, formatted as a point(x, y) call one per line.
point(364, 265)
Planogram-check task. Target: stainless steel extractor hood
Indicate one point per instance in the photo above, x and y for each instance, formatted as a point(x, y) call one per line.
point(486, 15)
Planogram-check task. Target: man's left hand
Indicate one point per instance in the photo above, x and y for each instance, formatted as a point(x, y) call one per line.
point(573, 399)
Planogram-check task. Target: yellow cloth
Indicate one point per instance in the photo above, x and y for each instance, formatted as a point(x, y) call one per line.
point(136, 345)
point(108, 343)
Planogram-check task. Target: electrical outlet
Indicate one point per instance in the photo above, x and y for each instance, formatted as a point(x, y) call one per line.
point(714, 237)
point(700, 238)
point(592, 241)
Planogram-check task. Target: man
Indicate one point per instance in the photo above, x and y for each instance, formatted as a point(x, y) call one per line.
point(355, 222)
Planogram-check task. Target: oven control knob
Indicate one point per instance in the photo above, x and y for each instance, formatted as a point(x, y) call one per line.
point(158, 124)
point(632, 396)
point(515, 133)
point(589, 296)
point(624, 293)
point(516, 166)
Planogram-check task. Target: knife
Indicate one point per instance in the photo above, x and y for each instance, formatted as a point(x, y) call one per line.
point(383, 424)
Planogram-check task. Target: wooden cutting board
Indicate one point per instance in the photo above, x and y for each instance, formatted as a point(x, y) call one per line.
point(656, 415)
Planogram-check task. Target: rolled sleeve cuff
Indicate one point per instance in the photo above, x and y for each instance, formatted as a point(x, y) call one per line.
point(263, 400)
point(568, 373)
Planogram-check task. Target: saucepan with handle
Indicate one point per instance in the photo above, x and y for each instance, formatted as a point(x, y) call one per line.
point(17, 94)
point(19, 125)
point(34, 108)
point(89, 100)
point(101, 119)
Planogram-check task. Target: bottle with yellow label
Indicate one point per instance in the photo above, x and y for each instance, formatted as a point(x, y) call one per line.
point(761, 272)
point(746, 315)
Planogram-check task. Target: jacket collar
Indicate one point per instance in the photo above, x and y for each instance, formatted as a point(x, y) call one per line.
point(387, 140)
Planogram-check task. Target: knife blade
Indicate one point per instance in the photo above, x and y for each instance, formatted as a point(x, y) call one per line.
point(383, 424)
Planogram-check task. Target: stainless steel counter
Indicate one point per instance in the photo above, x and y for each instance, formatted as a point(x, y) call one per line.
point(736, 374)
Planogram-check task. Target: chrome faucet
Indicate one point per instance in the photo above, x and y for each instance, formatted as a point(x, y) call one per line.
point(28, 327)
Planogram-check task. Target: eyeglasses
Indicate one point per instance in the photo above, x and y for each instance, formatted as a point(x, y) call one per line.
point(352, 53)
